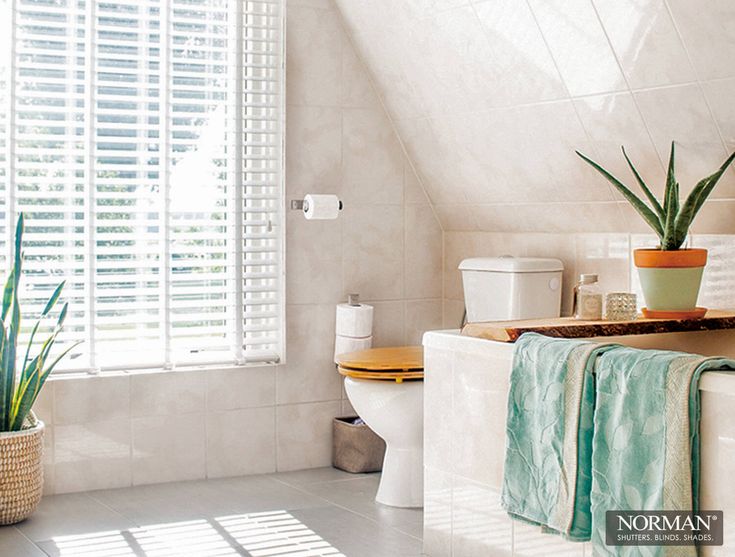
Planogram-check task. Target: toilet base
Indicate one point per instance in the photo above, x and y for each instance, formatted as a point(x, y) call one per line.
point(395, 412)
point(402, 480)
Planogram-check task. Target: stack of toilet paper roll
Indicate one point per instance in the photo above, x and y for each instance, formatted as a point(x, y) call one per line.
point(354, 328)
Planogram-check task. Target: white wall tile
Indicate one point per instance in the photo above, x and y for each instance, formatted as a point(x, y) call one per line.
point(313, 260)
point(422, 316)
point(413, 191)
point(434, 150)
point(357, 89)
point(614, 121)
point(452, 314)
point(304, 435)
point(169, 448)
point(520, 69)
point(317, 4)
point(579, 46)
point(720, 94)
point(373, 253)
point(718, 284)
point(388, 323)
point(607, 255)
point(241, 442)
point(372, 160)
point(175, 392)
point(314, 57)
point(553, 132)
point(309, 374)
point(707, 35)
point(49, 476)
point(646, 42)
point(93, 455)
point(699, 147)
point(456, 217)
point(439, 71)
point(91, 399)
point(232, 389)
point(547, 217)
point(314, 150)
point(423, 257)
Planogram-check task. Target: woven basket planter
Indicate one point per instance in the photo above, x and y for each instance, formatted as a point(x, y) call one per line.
point(21, 473)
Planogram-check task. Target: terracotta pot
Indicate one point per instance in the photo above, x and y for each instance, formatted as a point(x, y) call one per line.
point(671, 280)
point(21, 473)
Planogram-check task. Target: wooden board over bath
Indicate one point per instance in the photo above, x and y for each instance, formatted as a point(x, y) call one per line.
point(568, 327)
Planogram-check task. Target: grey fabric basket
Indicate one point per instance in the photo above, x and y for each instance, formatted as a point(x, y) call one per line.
point(356, 448)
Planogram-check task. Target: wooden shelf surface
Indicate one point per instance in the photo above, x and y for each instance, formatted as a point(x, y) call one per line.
point(568, 327)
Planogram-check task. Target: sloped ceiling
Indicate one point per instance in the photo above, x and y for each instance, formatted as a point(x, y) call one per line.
point(491, 98)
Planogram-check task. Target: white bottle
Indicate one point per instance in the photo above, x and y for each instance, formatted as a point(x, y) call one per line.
point(587, 298)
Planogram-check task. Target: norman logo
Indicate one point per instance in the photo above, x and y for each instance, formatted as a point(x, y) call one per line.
point(663, 528)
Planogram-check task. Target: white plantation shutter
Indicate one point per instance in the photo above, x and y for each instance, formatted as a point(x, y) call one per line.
point(143, 141)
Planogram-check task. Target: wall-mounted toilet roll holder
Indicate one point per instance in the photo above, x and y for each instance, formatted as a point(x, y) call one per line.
point(303, 205)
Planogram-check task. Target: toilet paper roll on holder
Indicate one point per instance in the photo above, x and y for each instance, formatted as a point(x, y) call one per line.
point(303, 205)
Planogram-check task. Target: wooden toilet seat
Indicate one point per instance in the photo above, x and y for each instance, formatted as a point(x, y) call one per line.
point(396, 363)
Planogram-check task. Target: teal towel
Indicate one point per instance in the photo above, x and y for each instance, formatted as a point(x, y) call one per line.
point(646, 443)
point(596, 427)
point(547, 472)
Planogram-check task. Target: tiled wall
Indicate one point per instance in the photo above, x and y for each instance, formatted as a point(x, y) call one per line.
point(137, 428)
point(492, 97)
point(608, 255)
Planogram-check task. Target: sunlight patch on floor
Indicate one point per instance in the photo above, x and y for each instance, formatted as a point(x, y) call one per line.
point(265, 534)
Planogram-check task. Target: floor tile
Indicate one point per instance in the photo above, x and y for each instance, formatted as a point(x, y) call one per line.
point(321, 512)
point(161, 503)
point(73, 514)
point(356, 536)
point(359, 496)
point(15, 544)
point(315, 475)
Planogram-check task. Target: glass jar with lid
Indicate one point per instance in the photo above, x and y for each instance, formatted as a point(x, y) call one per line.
point(587, 298)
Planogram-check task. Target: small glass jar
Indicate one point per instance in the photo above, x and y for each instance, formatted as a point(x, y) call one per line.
point(621, 306)
point(587, 298)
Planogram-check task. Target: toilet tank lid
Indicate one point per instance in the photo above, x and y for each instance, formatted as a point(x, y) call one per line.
point(509, 264)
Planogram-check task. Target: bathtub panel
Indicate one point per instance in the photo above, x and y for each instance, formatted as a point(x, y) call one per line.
point(437, 513)
point(480, 527)
point(470, 433)
point(438, 386)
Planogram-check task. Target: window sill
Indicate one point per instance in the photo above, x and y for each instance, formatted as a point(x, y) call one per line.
point(62, 375)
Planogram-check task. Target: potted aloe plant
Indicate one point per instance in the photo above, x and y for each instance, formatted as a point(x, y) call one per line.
point(670, 275)
point(21, 434)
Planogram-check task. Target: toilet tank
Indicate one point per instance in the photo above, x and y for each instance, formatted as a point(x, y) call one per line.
point(505, 288)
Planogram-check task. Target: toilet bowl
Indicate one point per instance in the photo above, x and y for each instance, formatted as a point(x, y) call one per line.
point(386, 389)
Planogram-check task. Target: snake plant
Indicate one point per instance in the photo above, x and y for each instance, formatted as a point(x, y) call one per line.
point(669, 218)
point(20, 386)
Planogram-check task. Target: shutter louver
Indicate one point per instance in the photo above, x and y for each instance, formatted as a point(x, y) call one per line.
point(143, 141)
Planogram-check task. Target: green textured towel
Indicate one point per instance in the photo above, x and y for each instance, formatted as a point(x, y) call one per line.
point(547, 472)
point(596, 427)
point(646, 443)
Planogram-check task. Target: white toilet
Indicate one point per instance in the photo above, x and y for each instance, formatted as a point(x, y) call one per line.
point(386, 389)
point(385, 385)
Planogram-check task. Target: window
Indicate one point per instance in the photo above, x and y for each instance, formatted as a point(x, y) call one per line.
point(143, 140)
